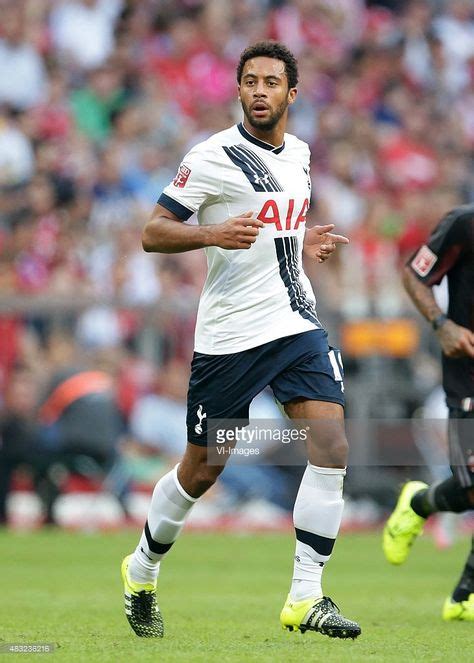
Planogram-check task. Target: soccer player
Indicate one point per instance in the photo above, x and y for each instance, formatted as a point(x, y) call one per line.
point(450, 252)
point(256, 326)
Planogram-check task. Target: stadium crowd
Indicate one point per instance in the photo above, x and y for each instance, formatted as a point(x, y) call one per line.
point(99, 100)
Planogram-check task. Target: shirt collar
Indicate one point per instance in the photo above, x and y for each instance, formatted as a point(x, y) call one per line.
point(261, 143)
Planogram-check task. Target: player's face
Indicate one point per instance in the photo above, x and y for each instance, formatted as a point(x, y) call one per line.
point(264, 92)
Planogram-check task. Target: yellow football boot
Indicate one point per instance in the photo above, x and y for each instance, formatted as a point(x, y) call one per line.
point(141, 608)
point(459, 611)
point(403, 526)
point(321, 615)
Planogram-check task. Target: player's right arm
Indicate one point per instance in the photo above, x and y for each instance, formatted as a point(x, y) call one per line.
point(198, 182)
point(166, 233)
point(425, 269)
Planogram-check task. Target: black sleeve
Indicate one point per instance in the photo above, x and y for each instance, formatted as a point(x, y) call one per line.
point(442, 251)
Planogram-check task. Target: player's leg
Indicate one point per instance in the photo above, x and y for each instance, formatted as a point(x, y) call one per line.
point(221, 387)
point(319, 504)
point(417, 500)
point(172, 500)
point(460, 605)
point(447, 495)
point(455, 494)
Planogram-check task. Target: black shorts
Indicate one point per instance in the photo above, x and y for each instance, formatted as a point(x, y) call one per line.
point(461, 446)
point(223, 386)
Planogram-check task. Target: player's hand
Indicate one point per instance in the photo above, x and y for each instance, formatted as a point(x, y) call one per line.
point(320, 242)
point(238, 232)
point(456, 341)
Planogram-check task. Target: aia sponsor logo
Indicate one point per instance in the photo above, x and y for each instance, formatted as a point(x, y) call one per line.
point(284, 219)
point(182, 176)
point(424, 260)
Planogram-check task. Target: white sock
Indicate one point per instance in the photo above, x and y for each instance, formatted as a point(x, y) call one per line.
point(317, 517)
point(170, 504)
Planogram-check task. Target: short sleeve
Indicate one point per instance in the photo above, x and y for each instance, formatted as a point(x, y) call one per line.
point(307, 168)
point(435, 258)
point(307, 157)
point(196, 183)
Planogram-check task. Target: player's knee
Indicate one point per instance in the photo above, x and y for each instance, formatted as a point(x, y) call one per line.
point(339, 450)
point(205, 476)
point(330, 450)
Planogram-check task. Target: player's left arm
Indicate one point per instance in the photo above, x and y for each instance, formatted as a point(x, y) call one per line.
point(455, 341)
point(320, 242)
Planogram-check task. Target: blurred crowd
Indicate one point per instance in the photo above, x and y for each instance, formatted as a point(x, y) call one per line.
point(99, 101)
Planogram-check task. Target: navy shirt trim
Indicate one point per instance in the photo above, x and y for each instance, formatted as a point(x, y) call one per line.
point(261, 143)
point(172, 205)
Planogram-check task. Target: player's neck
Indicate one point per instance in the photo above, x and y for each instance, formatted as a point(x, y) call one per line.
point(274, 136)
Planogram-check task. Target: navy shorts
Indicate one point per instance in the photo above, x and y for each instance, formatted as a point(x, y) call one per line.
point(299, 366)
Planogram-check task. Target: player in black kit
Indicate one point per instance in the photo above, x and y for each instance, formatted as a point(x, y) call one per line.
point(450, 252)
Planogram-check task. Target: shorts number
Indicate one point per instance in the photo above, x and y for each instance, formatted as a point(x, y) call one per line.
point(337, 367)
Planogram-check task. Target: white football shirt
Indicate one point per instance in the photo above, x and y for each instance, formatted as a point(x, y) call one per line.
point(251, 296)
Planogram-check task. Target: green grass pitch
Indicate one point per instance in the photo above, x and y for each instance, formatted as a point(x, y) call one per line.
point(220, 595)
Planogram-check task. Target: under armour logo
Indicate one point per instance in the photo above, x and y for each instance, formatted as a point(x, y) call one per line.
point(201, 415)
point(262, 179)
point(308, 177)
point(297, 558)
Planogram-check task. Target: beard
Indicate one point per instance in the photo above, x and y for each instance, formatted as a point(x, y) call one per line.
point(267, 123)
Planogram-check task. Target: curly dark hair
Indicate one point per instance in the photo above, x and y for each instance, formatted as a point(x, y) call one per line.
point(271, 49)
